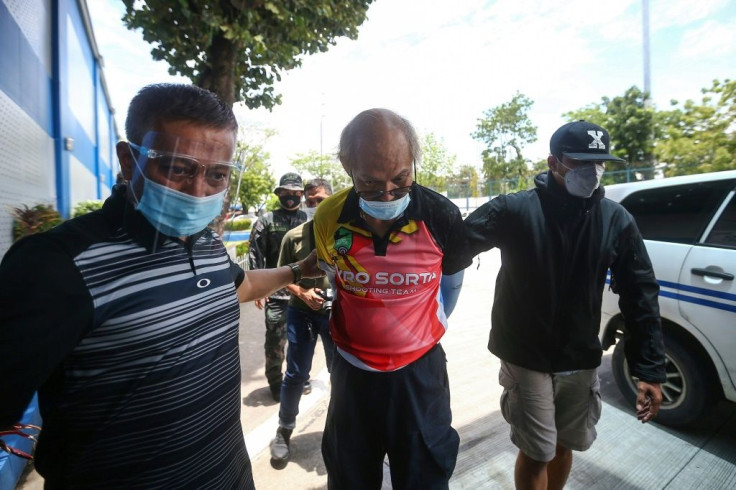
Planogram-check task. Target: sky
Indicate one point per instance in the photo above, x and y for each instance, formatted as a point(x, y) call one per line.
point(443, 64)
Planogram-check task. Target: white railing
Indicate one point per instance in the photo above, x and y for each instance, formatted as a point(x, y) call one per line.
point(242, 261)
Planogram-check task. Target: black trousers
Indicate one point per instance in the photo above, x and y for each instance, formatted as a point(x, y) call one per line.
point(405, 414)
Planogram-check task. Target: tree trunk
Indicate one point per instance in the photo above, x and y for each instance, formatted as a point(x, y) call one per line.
point(219, 77)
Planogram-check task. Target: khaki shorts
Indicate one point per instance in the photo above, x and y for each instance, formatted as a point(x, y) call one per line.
point(545, 410)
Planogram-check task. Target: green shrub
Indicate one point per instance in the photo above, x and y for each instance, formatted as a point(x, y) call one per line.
point(242, 249)
point(85, 207)
point(238, 225)
point(39, 218)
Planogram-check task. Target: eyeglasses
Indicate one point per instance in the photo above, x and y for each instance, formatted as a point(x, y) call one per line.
point(177, 167)
point(398, 193)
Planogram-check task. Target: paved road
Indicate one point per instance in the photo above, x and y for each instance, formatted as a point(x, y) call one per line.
point(627, 454)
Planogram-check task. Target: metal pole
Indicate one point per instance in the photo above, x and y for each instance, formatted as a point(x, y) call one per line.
point(240, 157)
point(647, 77)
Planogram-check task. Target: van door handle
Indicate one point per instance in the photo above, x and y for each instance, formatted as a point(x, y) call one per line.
point(706, 272)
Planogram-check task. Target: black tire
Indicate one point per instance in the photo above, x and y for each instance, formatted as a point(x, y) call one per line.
point(687, 393)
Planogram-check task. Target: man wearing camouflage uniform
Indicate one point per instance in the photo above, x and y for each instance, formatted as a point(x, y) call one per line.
point(265, 242)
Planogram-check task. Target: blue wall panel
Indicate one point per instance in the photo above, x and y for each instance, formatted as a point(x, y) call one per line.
point(22, 75)
point(10, 39)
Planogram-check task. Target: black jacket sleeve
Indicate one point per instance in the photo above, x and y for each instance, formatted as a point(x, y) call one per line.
point(483, 229)
point(45, 309)
point(638, 291)
point(456, 257)
point(258, 244)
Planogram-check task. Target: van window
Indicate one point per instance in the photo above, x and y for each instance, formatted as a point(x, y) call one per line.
point(724, 231)
point(679, 213)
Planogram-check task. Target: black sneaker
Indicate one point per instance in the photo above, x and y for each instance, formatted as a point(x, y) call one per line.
point(280, 452)
point(307, 389)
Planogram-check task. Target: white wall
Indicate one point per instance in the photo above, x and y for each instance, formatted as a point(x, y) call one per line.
point(27, 173)
point(83, 182)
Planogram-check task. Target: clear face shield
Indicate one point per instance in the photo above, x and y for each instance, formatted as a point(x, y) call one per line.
point(166, 169)
point(174, 161)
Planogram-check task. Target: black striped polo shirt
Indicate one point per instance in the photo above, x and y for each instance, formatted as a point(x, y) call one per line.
point(131, 339)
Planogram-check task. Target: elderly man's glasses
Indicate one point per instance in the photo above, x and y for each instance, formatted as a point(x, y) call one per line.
point(177, 167)
point(398, 193)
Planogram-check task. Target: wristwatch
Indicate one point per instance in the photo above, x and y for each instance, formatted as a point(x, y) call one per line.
point(297, 271)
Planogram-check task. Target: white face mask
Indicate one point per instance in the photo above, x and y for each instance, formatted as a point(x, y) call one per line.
point(310, 212)
point(583, 181)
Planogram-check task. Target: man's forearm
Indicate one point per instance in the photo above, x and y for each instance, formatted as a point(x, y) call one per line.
point(261, 283)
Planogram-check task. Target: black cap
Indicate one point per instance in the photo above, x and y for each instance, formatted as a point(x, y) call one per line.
point(581, 140)
point(290, 181)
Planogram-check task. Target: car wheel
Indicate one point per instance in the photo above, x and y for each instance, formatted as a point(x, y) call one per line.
point(687, 393)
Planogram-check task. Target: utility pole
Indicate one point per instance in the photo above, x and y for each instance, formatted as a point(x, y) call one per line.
point(645, 29)
point(648, 104)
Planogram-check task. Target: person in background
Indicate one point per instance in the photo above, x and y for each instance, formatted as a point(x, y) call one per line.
point(386, 243)
point(306, 319)
point(557, 242)
point(265, 242)
point(125, 320)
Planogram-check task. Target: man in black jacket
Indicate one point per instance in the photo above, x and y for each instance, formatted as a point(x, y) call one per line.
point(557, 242)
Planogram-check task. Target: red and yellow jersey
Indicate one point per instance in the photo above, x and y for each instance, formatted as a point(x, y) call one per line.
point(387, 312)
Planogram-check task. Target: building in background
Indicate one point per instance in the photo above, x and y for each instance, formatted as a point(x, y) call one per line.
point(57, 132)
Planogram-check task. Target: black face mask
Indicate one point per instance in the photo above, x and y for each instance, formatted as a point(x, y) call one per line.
point(290, 201)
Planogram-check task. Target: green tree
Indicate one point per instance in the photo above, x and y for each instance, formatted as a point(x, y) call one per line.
point(700, 137)
point(322, 166)
point(463, 183)
point(505, 130)
point(254, 183)
point(239, 48)
point(539, 166)
point(436, 165)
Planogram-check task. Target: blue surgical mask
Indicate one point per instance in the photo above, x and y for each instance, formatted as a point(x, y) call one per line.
point(176, 213)
point(385, 210)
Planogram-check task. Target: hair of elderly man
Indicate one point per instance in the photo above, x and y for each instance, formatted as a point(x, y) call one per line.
point(316, 184)
point(354, 132)
point(176, 102)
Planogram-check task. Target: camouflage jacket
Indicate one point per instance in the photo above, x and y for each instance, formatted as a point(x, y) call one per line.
point(265, 241)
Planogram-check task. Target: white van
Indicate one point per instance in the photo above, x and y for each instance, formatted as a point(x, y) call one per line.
point(689, 227)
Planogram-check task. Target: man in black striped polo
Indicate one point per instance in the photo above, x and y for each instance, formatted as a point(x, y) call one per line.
point(125, 320)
